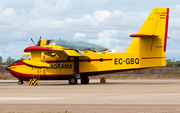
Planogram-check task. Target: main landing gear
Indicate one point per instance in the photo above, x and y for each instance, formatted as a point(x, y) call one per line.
point(20, 82)
point(76, 75)
point(73, 80)
point(84, 80)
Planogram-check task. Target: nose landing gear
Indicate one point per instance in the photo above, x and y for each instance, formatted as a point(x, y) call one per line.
point(20, 82)
point(73, 80)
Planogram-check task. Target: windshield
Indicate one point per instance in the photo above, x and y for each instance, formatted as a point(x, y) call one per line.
point(25, 57)
point(28, 58)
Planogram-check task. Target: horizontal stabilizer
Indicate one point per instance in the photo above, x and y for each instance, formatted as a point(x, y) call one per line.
point(36, 64)
point(142, 35)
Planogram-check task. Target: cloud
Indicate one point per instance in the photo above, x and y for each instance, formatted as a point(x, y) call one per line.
point(103, 22)
point(100, 16)
point(8, 16)
point(119, 48)
point(44, 19)
point(105, 38)
point(49, 10)
point(13, 49)
point(79, 35)
point(96, 2)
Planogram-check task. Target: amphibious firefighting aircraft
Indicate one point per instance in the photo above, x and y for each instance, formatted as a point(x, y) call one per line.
point(65, 60)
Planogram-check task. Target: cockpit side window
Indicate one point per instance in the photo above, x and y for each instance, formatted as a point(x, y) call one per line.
point(23, 57)
point(28, 58)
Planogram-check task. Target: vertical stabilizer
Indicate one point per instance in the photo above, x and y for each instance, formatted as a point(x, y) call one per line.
point(150, 41)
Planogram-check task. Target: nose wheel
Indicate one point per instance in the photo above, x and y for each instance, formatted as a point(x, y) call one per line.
point(20, 82)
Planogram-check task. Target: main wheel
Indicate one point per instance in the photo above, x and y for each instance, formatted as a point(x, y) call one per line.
point(85, 80)
point(73, 80)
point(20, 82)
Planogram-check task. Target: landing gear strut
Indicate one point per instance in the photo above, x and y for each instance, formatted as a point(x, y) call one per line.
point(73, 79)
point(20, 82)
point(84, 80)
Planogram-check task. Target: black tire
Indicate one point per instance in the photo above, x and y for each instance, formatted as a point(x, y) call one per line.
point(73, 80)
point(20, 82)
point(84, 80)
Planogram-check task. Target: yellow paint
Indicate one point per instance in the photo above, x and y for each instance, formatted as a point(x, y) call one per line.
point(43, 42)
point(71, 53)
point(36, 64)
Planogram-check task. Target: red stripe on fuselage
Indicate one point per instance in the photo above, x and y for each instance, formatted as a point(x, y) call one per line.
point(18, 63)
point(27, 77)
point(54, 61)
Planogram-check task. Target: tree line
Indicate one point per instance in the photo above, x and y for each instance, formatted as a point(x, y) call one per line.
point(9, 61)
point(172, 63)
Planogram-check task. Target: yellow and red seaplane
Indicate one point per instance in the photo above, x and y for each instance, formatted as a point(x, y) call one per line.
point(65, 60)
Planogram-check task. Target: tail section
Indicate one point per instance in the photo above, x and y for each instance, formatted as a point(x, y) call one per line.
point(150, 41)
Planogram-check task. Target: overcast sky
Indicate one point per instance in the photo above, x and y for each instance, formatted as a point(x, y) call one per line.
point(104, 22)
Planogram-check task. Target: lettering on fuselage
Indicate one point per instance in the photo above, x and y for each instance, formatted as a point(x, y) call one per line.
point(121, 61)
point(60, 66)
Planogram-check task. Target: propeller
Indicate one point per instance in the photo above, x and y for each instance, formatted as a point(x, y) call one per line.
point(38, 43)
point(40, 38)
point(33, 41)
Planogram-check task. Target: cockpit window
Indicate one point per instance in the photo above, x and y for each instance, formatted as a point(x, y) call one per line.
point(23, 57)
point(28, 58)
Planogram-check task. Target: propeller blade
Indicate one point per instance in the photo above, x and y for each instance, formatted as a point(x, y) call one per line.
point(40, 38)
point(33, 41)
point(39, 42)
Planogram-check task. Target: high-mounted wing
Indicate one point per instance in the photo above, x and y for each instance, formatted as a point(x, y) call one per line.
point(36, 52)
point(58, 47)
point(38, 48)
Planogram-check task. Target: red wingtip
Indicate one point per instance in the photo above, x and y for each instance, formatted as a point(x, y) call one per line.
point(37, 48)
